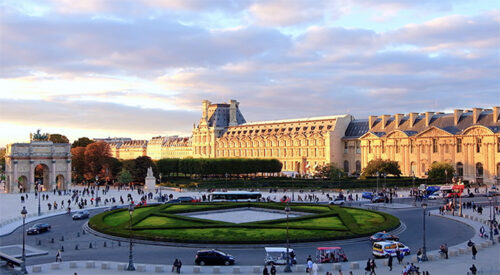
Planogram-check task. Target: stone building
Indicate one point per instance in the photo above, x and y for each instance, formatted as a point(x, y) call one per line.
point(469, 140)
point(52, 160)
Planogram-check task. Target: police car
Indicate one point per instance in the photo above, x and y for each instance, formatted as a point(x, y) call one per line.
point(384, 249)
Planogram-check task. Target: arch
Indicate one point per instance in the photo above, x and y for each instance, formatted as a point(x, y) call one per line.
point(42, 176)
point(480, 130)
point(346, 167)
point(358, 167)
point(22, 184)
point(460, 169)
point(60, 182)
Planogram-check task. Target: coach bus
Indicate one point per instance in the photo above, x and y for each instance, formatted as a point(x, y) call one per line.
point(450, 191)
point(236, 196)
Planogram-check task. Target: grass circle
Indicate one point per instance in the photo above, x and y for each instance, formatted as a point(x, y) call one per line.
point(164, 223)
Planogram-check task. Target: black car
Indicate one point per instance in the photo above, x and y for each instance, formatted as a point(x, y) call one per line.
point(186, 199)
point(38, 228)
point(213, 257)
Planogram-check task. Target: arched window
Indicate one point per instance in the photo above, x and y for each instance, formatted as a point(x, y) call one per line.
point(346, 167)
point(413, 168)
point(479, 170)
point(460, 169)
point(358, 167)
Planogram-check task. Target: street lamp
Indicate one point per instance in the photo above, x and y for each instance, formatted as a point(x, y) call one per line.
point(23, 264)
point(130, 266)
point(490, 198)
point(97, 191)
point(288, 267)
point(378, 174)
point(424, 250)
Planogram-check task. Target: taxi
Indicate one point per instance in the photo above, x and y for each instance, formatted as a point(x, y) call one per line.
point(384, 249)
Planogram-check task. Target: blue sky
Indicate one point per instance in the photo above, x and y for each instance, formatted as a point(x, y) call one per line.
point(140, 68)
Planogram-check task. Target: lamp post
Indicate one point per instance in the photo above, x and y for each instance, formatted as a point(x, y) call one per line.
point(288, 267)
point(490, 198)
point(97, 191)
point(424, 250)
point(23, 264)
point(130, 266)
point(378, 174)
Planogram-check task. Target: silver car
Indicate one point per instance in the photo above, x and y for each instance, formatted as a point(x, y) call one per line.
point(81, 215)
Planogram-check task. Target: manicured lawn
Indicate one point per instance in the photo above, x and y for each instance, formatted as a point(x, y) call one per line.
point(163, 223)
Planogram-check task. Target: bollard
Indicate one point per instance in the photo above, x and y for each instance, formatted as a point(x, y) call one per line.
point(236, 270)
point(354, 265)
point(77, 234)
point(90, 245)
point(119, 243)
point(76, 247)
point(83, 232)
point(105, 244)
point(196, 269)
point(62, 238)
point(52, 240)
point(159, 269)
point(216, 270)
point(337, 266)
point(62, 248)
point(39, 242)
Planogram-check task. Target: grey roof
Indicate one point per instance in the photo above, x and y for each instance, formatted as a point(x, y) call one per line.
point(356, 128)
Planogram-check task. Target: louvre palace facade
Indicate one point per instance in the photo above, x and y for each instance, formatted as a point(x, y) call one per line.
point(467, 139)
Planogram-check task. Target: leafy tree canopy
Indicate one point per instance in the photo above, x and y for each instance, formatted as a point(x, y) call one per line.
point(58, 138)
point(441, 171)
point(82, 142)
point(387, 167)
point(329, 171)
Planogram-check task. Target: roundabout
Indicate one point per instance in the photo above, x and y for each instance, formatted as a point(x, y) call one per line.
point(241, 223)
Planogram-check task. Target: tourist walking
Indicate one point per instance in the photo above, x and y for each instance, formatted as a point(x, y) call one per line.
point(265, 271)
point(58, 256)
point(389, 262)
point(474, 251)
point(473, 269)
point(372, 267)
point(179, 265)
point(174, 266)
point(309, 265)
point(367, 267)
point(315, 268)
point(398, 255)
point(273, 269)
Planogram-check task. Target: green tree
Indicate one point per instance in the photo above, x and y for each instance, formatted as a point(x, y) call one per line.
point(167, 166)
point(329, 171)
point(82, 142)
point(381, 166)
point(140, 169)
point(439, 171)
point(58, 138)
point(125, 177)
point(97, 157)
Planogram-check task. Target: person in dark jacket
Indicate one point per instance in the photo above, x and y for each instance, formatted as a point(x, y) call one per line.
point(273, 270)
point(473, 269)
point(265, 271)
point(474, 251)
point(389, 262)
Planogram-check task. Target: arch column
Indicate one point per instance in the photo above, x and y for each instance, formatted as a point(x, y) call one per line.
point(31, 180)
point(68, 173)
point(14, 183)
point(52, 178)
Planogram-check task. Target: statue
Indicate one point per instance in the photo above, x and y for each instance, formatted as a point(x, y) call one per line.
point(150, 172)
point(39, 137)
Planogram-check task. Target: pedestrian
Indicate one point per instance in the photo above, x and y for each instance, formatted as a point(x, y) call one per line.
point(445, 251)
point(419, 255)
point(309, 264)
point(58, 256)
point(367, 267)
point(265, 271)
point(372, 267)
point(315, 268)
point(474, 251)
point(179, 265)
point(473, 269)
point(398, 255)
point(389, 262)
point(273, 270)
point(174, 266)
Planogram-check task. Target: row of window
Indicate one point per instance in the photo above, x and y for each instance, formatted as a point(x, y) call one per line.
point(358, 167)
point(255, 143)
point(299, 152)
point(435, 147)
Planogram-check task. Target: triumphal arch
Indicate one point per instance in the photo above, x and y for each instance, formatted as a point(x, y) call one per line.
point(38, 164)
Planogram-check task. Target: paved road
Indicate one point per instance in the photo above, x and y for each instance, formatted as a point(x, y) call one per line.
point(440, 230)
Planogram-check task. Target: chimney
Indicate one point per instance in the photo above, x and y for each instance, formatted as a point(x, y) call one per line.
point(456, 116)
point(204, 109)
point(233, 106)
point(496, 112)
point(371, 120)
point(476, 112)
point(385, 119)
point(413, 118)
point(397, 119)
point(428, 118)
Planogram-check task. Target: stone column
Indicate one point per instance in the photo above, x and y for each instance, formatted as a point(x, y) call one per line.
point(52, 178)
point(441, 152)
point(471, 162)
point(14, 184)
point(419, 165)
point(68, 173)
point(31, 180)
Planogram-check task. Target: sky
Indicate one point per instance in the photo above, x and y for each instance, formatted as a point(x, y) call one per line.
point(140, 68)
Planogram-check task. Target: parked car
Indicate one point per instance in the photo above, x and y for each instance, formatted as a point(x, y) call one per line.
point(367, 195)
point(80, 215)
point(114, 207)
point(338, 201)
point(38, 228)
point(213, 257)
point(174, 201)
point(186, 199)
point(382, 236)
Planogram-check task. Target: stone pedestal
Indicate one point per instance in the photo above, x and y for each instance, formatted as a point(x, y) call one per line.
point(150, 183)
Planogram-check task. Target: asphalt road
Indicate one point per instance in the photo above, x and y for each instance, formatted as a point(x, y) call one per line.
point(439, 230)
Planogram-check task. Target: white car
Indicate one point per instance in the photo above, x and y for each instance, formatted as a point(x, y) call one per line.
point(434, 196)
point(338, 201)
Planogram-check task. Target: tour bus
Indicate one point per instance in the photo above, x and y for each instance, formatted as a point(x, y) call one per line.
point(450, 191)
point(236, 196)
